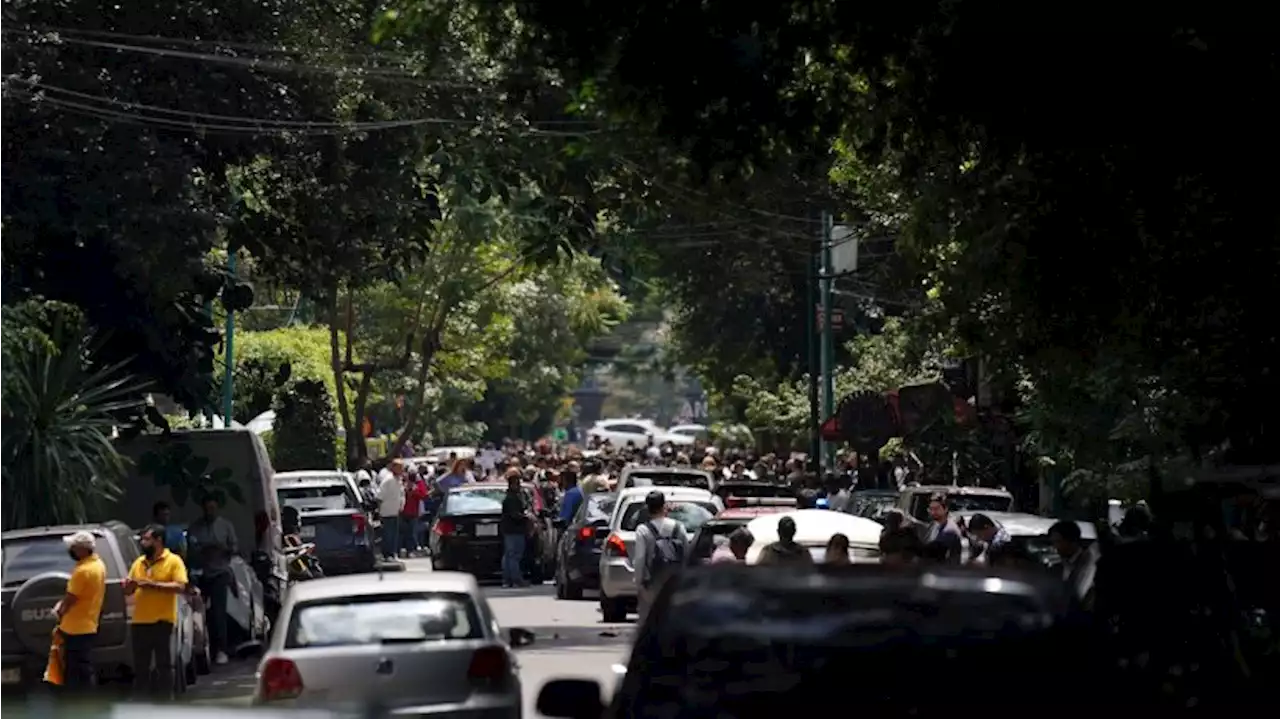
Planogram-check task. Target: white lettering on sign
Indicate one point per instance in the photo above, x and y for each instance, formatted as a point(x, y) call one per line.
point(38, 615)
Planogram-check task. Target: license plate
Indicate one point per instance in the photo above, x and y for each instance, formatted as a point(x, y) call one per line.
point(486, 530)
point(308, 532)
point(11, 676)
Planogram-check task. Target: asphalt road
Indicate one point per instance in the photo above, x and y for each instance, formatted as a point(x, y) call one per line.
point(571, 641)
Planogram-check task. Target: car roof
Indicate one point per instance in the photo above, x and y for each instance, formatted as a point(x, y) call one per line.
point(693, 471)
point(949, 489)
point(311, 475)
point(748, 513)
point(61, 530)
point(383, 583)
point(689, 493)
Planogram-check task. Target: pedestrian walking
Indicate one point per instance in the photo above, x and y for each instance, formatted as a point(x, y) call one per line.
point(78, 612)
point(156, 579)
point(660, 547)
point(212, 540)
point(515, 526)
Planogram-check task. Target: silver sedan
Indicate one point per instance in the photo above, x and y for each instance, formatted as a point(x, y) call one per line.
point(414, 644)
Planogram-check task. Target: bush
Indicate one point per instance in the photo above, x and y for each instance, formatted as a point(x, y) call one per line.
point(305, 434)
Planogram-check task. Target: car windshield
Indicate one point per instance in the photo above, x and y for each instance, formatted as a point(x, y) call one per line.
point(600, 506)
point(658, 478)
point(383, 619)
point(958, 503)
point(482, 500)
point(691, 514)
point(31, 556)
point(711, 537)
point(873, 506)
point(317, 497)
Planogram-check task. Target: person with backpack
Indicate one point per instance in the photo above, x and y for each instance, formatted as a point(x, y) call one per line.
point(660, 547)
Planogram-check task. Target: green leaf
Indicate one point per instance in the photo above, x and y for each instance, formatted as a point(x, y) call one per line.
point(234, 491)
point(220, 475)
point(195, 466)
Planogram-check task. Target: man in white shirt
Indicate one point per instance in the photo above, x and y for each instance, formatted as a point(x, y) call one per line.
point(390, 502)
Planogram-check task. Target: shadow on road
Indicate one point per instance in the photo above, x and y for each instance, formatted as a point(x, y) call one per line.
point(562, 637)
point(231, 681)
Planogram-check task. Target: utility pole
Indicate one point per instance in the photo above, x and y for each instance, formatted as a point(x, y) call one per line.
point(811, 337)
point(828, 339)
point(228, 391)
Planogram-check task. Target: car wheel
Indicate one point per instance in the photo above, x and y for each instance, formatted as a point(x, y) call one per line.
point(572, 590)
point(613, 611)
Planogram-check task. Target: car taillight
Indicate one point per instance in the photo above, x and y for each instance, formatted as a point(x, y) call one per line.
point(489, 665)
point(280, 680)
point(586, 534)
point(737, 502)
point(357, 524)
point(616, 545)
point(445, 527)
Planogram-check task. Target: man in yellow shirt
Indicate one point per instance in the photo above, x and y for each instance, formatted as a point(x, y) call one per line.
point(156, 579)
point(78, 611)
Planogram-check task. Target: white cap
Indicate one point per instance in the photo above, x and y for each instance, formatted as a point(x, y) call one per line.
point(80, 539)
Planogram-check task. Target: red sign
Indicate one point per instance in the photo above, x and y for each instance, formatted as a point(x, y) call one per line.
point(837, 318)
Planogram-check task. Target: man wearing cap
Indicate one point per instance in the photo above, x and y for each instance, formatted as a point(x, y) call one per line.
point(156, 579)
point(78, 611)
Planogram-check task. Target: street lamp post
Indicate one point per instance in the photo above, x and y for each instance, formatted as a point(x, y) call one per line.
point(229, 360)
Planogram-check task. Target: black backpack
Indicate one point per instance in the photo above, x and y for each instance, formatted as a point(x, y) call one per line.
point(668, 552)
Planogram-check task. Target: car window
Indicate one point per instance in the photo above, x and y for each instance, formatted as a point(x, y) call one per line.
point(979, 503)
point(691, 514)
point(652, 477)
point(475, 501)
point(597, 508)
point(31, 556)
point(710, 537)
point(316, 497)
point(384, 619)
point(629, 428)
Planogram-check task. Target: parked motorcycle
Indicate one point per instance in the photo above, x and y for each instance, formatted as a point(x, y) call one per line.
point(300, 558)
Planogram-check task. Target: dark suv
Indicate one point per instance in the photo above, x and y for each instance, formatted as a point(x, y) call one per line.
point(35, 571)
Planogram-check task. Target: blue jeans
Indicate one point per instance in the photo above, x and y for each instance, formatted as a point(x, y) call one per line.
point(390, 536)
point(409, 534)
point(512, 554)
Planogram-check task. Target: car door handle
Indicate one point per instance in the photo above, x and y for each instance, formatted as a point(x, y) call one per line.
point(385, 666)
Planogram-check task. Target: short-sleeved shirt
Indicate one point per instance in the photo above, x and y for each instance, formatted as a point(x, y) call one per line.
point(88, 584)
point(152, 605)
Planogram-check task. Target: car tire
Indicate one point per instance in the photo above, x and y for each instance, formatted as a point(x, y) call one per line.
point(613, 611)
point(200, 660)
point(572, 590)
point(538, 574)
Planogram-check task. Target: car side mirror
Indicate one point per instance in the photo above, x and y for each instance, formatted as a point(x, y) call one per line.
point(571, 699)
point(520, 637)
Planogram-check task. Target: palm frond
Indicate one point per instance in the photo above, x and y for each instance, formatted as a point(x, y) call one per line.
point(59, 408)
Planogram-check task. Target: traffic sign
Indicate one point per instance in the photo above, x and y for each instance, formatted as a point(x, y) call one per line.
point(837, 318)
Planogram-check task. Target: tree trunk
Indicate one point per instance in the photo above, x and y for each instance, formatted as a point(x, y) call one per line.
point(430, 346)
point(339, 374)
point(362, 402)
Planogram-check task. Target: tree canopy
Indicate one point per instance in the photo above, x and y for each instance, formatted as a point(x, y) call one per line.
point(1073, 196)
